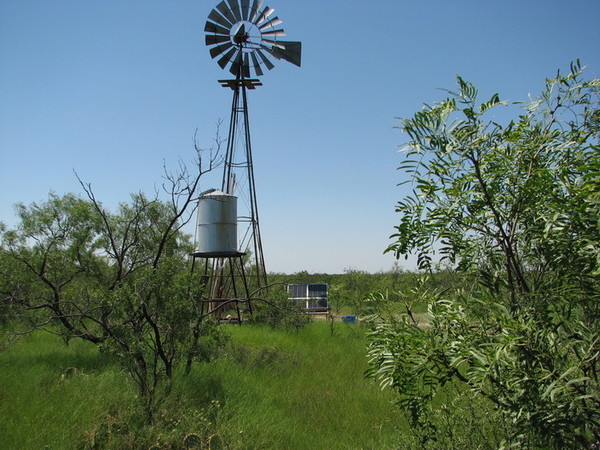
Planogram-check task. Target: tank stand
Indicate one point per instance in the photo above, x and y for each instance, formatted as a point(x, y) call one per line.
point(226, 294)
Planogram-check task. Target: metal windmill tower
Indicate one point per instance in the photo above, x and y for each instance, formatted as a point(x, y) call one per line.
point(244, 37)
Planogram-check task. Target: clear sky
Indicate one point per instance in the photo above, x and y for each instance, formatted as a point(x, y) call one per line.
point(112, 88)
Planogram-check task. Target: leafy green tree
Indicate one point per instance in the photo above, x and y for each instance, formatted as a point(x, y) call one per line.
point(515, 210)
point(118, 279)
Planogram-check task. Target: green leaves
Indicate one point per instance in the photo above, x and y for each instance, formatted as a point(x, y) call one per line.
point(516, 207)
point(494, 101)
point(118, 279)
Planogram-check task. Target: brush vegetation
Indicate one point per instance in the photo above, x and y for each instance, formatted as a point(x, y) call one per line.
point(106, 345)
point(270, 388)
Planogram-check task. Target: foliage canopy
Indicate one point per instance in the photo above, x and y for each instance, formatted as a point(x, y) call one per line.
point(516, 208)
point(117, 279)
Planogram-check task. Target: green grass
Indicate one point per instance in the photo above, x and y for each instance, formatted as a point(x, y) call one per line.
point(301, 390)
point(268, 389)
point(51, 394)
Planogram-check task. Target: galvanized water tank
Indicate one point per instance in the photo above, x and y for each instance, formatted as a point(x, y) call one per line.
point(217, 224)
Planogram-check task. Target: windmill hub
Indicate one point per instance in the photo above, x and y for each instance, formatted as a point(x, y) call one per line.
point(243, 34)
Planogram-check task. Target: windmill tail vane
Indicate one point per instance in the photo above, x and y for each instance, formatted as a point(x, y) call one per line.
point(244, 36)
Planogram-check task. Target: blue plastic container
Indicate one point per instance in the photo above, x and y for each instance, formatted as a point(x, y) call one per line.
point(349, 319)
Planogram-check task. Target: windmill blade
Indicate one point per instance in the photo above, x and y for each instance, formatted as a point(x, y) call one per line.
point(269, 50)
point(271, 23)
point(268, 64)
point(245, 9)
point(263, 15)
point(292, 52)
point(234, 6)
point(254, 10)
point(216, 51)
point(212, 39)
point(256, 64)
point(226, 58)
point(272, 43)
point(274, 33)
point(218, 18)
point(217, 29)
point(224, 9)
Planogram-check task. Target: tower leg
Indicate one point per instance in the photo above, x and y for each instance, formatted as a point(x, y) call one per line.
point(222, 284)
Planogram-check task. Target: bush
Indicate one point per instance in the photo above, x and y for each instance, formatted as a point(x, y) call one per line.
point(515, 208)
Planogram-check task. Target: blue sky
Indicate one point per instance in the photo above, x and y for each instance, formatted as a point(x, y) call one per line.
point(113, 88)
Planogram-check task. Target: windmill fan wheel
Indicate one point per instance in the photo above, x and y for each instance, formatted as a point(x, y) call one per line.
point(244, 36)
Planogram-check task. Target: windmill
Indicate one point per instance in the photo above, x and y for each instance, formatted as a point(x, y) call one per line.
point(244, 37)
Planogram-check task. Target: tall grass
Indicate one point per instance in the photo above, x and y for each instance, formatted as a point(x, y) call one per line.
point(267, 389)
point(300, 390)
point(51, 394)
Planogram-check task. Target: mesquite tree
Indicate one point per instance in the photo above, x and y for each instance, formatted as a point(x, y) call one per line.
point(119, 279)
point(516, 207)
